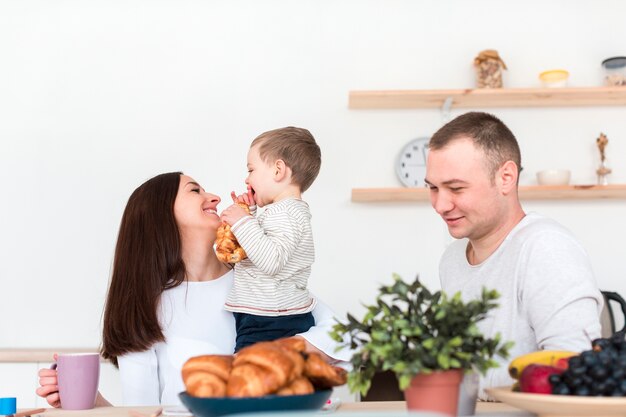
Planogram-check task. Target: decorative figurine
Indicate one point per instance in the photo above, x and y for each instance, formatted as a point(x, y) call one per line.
point(603, 171)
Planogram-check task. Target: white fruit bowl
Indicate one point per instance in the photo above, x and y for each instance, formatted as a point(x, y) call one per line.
point(553, 177)
point(549, 405)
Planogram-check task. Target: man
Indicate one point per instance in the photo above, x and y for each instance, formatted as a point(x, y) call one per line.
point(549, 298)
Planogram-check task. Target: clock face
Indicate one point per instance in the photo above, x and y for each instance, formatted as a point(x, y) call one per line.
point(411, 163)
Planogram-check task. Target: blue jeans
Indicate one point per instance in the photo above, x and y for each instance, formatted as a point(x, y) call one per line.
point(252, 329)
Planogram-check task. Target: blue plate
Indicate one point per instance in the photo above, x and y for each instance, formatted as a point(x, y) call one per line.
point(214, 407)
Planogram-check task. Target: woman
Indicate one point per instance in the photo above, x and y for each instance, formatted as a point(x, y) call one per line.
point(167, 292)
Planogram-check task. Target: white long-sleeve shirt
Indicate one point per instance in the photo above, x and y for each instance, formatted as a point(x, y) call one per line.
point(272, 280)
point(549, 299)
point(194, 322)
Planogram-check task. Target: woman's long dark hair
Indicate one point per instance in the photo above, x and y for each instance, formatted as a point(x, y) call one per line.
point(147, 261)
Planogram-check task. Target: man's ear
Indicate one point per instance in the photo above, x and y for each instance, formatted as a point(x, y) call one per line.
point(281, 170)
point(507, 177)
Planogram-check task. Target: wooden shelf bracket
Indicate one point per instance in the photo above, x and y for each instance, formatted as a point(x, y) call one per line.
point(445, 110)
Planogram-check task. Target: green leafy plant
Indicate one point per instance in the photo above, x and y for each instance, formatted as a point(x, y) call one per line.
point(410, 330)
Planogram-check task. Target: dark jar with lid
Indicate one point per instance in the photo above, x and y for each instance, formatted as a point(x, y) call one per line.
point(615, 71)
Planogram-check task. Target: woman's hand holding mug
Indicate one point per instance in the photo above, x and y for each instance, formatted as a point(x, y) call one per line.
point(49, 388)
point(72, 382)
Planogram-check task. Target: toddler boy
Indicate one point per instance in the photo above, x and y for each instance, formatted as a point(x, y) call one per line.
point(269, 298)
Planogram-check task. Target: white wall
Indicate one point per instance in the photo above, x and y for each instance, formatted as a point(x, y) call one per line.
point(98, 96)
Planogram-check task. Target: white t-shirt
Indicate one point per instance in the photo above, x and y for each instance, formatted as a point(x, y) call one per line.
point(548, 295)
point(194, 322)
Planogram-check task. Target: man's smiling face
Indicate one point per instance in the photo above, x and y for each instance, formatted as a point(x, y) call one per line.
point(462, 190)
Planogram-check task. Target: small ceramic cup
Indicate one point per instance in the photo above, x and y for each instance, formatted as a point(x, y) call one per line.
point(78, 376)
point(553, 177)
point(468, 394)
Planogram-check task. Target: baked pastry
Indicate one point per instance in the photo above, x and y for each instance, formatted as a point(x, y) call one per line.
point(227, 249)
point(280, 367)
point(322, 374)
point(260, 369)
point(206, 376)
point(250, 380)
point(300, 386)
point(205, 385)
point(293, 343)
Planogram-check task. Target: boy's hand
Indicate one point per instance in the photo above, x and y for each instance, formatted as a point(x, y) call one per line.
point(232, 214)
point(246, 198)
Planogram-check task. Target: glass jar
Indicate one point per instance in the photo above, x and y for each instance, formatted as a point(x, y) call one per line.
point(489, 66)
point(614, 70)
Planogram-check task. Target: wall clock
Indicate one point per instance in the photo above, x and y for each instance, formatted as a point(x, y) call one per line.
point(411, 163)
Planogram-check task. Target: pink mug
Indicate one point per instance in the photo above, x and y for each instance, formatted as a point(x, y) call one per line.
point(78, 375)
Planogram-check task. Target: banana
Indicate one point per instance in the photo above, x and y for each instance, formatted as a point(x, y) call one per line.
point(541, 357)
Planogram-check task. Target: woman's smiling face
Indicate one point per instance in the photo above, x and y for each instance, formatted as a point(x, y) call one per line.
point(194, 208)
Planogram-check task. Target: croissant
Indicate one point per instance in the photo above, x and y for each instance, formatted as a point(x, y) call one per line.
point(249, 380)
point(292, 343)
point(206, 376)
point(280, 367)
point(220, 365)
point(269, 356)
point(227, 248)
point(205, 384)
point(322, 374)
point(300, 386)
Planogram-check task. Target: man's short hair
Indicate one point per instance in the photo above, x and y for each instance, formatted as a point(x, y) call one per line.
point(295, 146)
point(487, 132)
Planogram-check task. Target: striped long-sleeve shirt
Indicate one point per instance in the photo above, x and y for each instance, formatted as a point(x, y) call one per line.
point(272, 280)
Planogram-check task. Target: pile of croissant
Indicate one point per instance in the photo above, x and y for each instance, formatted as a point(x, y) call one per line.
point(280, 367)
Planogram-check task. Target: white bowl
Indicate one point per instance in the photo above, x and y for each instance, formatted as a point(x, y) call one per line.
point(553, 177)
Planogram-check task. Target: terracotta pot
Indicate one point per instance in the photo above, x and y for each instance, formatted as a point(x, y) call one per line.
point(438, 391)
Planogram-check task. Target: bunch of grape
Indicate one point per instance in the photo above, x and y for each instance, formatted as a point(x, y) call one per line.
point(600, 371)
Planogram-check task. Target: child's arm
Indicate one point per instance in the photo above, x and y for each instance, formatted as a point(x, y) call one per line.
point(269, 248)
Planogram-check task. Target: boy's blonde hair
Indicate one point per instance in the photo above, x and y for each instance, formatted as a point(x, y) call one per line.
point(295, 146)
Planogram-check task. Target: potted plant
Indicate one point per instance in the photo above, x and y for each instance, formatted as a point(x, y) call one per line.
point(422, 337)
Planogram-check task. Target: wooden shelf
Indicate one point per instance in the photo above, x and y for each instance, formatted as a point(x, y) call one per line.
point(38, 355)
point(502, 97)
point(535, 192)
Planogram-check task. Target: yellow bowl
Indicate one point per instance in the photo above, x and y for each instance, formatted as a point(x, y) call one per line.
point(554, 78)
